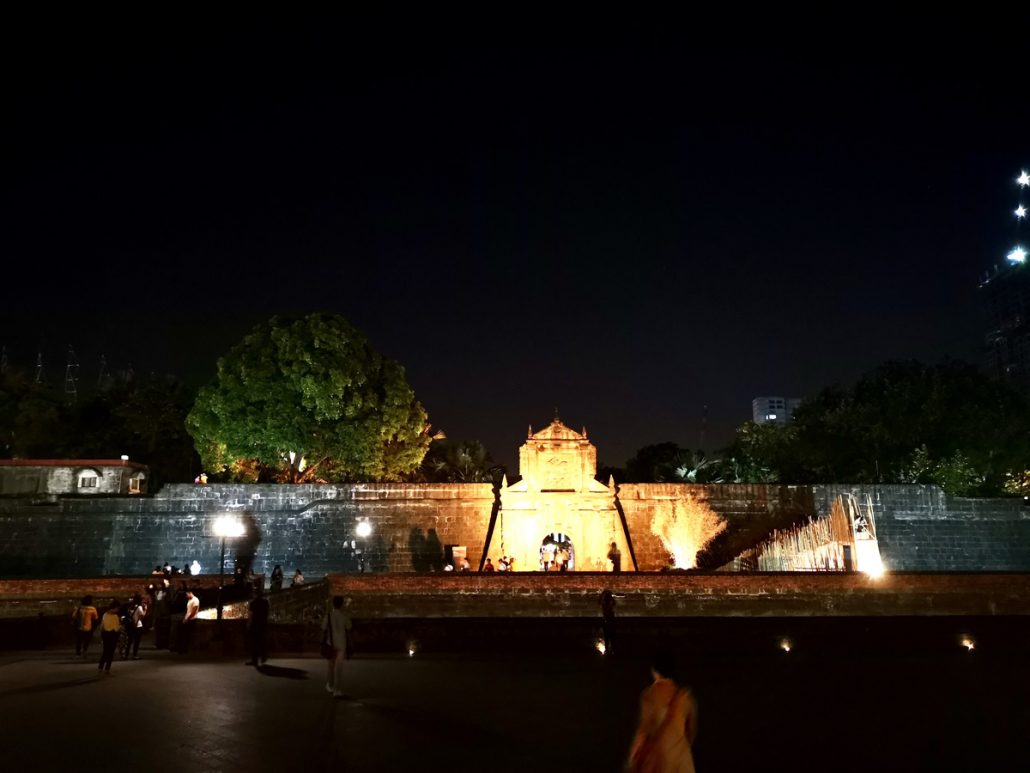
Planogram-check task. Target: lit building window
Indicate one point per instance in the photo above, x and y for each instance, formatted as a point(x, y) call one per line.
point(88, 480)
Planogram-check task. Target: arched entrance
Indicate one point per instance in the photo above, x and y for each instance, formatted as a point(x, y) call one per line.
point(557, 553)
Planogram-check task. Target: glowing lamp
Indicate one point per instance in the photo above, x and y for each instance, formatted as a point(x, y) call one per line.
point(1020, 211)
point(1017, 255)
point(1024, 179)
point(968, 643)
point(364, 529)
point(227, 527)
point(785, 645)
point(599, 646)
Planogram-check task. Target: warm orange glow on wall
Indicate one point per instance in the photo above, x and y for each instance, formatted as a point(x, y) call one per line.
point(685, 526)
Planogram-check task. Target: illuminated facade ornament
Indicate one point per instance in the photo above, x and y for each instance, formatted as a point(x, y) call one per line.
point(557, 501)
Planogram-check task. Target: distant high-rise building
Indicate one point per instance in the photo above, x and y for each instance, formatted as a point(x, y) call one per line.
point(1006, 294)
point(773, 410)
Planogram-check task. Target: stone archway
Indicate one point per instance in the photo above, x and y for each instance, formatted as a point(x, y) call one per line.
point(557, 550)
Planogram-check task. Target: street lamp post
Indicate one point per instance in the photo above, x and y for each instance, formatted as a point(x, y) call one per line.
point(226, 526)
point(364, 529)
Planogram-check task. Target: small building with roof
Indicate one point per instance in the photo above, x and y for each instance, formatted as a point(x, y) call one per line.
point(64, 477)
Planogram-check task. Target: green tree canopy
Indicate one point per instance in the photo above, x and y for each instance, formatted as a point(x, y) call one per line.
point(903, 422)
point(457, 461)
point(304, 399)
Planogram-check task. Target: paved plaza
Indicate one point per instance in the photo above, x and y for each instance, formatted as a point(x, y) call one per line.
point(831, 709)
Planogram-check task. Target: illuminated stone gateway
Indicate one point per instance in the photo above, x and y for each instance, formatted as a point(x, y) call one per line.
point(558, 495)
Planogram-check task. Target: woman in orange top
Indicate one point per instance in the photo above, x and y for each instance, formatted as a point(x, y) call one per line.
point(84, 619)
point(668, 724)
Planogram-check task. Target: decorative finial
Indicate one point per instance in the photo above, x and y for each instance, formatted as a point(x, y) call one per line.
point(530, 431)
point(556, 416)
point(584, 431)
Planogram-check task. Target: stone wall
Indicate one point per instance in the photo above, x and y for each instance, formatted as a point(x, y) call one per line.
point(313, 527)
point(919, 528)
point(688, 594)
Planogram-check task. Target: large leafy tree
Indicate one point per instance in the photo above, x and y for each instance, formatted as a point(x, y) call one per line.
point(305, 399)
point(142, 416)
point(903, 422)
point(33, 419)
point(457, 461)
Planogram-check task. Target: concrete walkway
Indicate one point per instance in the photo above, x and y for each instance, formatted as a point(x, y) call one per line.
point(508, 712)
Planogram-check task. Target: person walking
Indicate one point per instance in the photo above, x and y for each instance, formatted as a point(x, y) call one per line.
point(137, 614)
point(257, 627)
point(189, 622)
point(110, 628)
point(84, 620)
point(334, 632)
point(668, 724)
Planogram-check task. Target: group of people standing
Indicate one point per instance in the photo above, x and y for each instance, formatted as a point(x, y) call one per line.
point(121, 628)
point(123, 623)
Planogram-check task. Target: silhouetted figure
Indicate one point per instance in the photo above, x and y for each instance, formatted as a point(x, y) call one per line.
point(277, 577)
point(298, 579)
point(615, 556)
point(110, 629)
point(162, 616)
point(668, 724)
point(257, 627)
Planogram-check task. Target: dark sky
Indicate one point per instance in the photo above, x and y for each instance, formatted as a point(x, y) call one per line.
point(627, 229)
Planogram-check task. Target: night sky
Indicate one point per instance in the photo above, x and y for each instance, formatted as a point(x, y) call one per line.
point(627, 229)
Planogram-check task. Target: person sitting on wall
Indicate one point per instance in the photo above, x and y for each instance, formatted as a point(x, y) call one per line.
point(465, 565)
point(502, 565)
point(489, 566)
point(511, 564)
point(277, 577)
point(298, 579)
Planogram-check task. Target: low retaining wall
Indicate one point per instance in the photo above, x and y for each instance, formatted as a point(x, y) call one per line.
point(683, 595)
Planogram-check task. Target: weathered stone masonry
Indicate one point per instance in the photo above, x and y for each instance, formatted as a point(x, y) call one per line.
point(311, 526)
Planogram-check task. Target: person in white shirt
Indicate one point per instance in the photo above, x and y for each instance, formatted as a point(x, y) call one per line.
point(189, 621)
